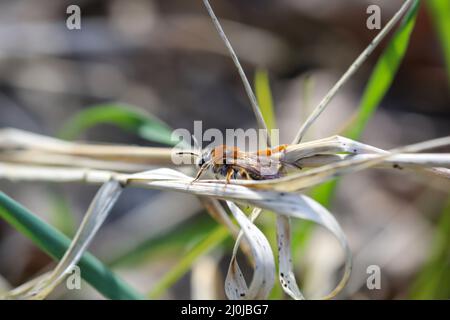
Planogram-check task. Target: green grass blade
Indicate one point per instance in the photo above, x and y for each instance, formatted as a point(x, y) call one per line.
point(61, 215)
point(384, 72)
point(54, 243)
point(212, 240)
point(324, 193)
point(264, 96)
point(126, 117)
point(433, 281)
point(440, 11)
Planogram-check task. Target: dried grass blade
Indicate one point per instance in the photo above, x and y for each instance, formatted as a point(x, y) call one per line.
point(264, 271)
point(321, 174)
point(248, 89)
point(330, 145)
point(94, 218)
point(285, 265)
point(14, 139)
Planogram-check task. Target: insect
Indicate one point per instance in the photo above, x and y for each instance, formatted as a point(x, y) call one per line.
point(232, 163)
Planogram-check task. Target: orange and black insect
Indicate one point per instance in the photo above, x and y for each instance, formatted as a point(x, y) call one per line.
point(232, 163)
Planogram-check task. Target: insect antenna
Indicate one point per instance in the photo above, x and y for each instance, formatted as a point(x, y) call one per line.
point(188, 152)
point(202, 169)
point(196, 155)
point(197, 146)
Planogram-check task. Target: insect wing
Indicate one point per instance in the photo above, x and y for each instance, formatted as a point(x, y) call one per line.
point(259, 167)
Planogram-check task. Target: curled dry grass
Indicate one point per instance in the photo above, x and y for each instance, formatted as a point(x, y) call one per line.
point(30, 157)
point(278, 195)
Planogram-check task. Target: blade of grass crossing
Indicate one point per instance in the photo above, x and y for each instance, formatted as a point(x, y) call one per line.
point(55, 244)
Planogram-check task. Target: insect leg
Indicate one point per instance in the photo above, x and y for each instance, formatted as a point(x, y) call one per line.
point(230, 172)
point(244, 174)
point(200, 172)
